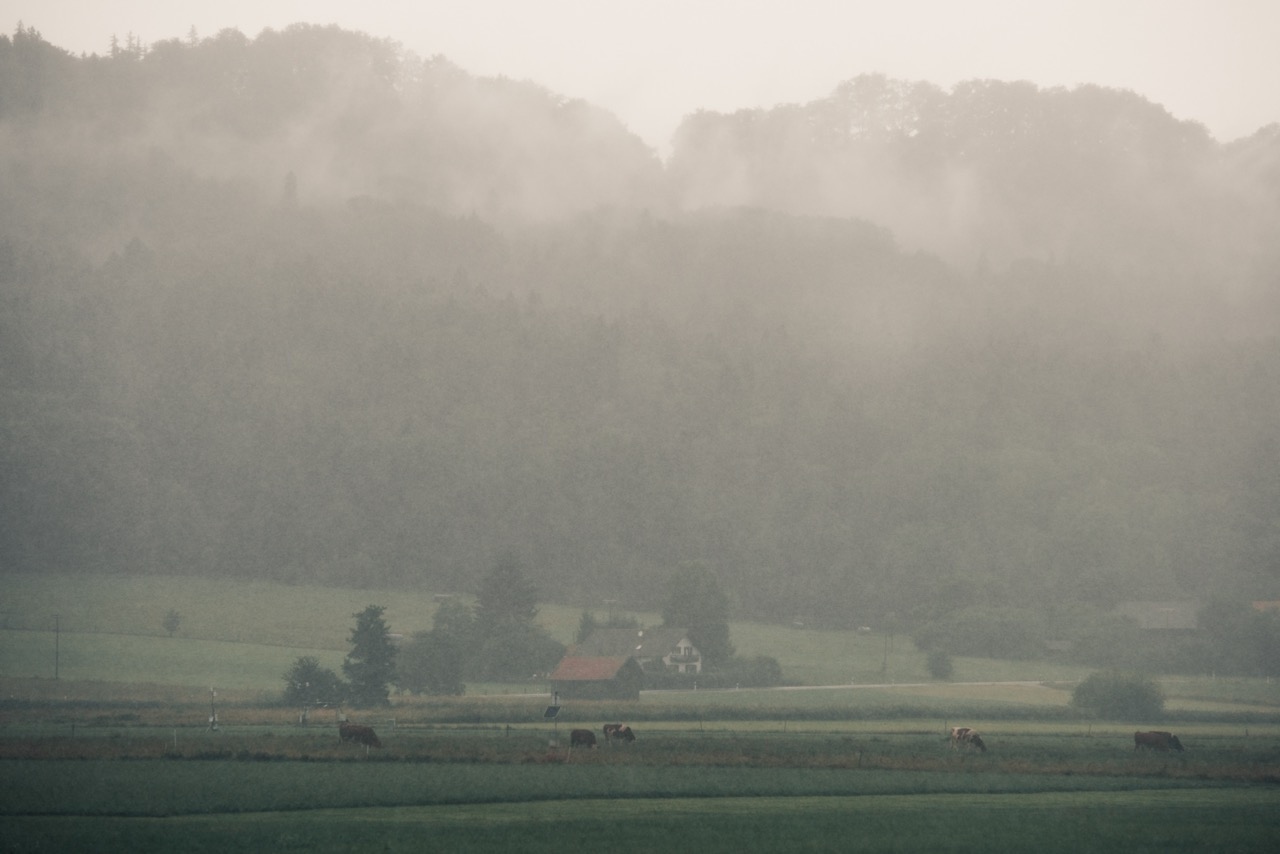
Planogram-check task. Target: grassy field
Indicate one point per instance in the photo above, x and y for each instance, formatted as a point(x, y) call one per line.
point(1140, 821)
point(739, 789)
point(116, 754)
point(239, 637)
point(294, 620)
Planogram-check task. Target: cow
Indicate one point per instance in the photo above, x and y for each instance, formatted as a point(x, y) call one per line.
point(616, 731)
point(1156, 740)
point(963, 735)
point(358, 733)
point(582, 738)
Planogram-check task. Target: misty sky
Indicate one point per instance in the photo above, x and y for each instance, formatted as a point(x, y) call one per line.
point(651, 62)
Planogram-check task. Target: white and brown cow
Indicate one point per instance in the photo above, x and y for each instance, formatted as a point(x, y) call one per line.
point(963, 736)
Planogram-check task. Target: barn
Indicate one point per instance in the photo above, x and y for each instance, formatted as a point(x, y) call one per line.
point(598, 678)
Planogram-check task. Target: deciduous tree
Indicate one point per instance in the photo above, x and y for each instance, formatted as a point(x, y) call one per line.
point(306, 683)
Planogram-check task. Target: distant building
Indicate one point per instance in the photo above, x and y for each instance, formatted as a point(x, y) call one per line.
point(1266, 605)
point(663, 648)
point(597, 678)
point(1162, 616)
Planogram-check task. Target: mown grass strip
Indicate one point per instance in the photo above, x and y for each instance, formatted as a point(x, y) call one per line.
point(1138, 821)
point(159, 788)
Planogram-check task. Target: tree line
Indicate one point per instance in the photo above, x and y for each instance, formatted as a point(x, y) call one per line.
point(412, 337)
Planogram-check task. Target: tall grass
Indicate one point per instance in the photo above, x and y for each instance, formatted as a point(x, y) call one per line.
point(158, 788)
point(1190, 821)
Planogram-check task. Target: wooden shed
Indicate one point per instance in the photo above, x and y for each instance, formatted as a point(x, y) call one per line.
point(598, 678)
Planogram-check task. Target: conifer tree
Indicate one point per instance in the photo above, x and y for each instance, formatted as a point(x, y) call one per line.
point(370, 666)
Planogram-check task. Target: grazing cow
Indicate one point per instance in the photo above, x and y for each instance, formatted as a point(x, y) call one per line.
point(582, 738)
point(963, 735)
point(616, 731)
point(358, 733)
point(1156, 740)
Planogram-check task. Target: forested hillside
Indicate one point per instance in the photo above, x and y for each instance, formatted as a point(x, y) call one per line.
point(306, 306)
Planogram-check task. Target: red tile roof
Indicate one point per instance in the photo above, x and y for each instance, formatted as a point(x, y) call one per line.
point(582, 669)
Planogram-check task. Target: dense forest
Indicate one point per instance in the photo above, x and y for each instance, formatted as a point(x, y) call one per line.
point(309, 307)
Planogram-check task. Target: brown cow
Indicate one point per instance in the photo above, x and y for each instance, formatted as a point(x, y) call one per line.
point(358, 733)
point(616, 731)
point(582, 738)
point(1156, 740)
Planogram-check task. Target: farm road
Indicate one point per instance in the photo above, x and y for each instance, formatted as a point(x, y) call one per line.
point(1028, 683)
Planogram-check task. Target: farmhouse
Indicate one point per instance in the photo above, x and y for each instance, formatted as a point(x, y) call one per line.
point(663, 648)
point(598, 678)
point(1162, 616)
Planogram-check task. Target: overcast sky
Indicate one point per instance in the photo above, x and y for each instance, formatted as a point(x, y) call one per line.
point(650, 63)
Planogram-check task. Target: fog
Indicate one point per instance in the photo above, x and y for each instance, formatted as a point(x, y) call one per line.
point(304, 305)
point(653, 63)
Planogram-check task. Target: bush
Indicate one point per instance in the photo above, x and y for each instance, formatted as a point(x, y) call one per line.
point(1119, 696)
point(309, 684)
point(939, 664)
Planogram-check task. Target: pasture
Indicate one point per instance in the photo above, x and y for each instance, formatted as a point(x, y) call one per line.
point(823, 787)
point(318, 620)
point(116, 753)
point(1137, 821)
point(243, 635)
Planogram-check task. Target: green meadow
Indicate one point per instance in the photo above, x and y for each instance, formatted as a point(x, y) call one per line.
point(116, 754)
point(263, 626)
point(379, 806)
point(1139, 821)
point(241, 636)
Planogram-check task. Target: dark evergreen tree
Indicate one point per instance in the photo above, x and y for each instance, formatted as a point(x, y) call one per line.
point(509, 644)
point(586, 625)
point(517, 653)
point(431, 663)
point(696, 603)
point(434, 662)
point(506, 599)
point(370, 666)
